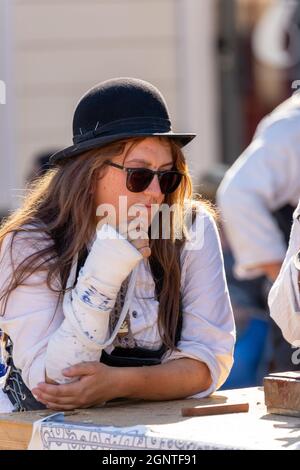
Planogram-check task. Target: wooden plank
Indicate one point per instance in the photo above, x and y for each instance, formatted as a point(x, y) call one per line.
point(164, 417)
point(15, 436)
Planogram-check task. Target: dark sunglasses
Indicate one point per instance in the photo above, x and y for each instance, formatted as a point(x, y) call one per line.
point(138, 179)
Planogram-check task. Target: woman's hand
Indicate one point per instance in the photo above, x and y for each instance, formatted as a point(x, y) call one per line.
point(135, 229)
point(141, 244)
point(97, 384)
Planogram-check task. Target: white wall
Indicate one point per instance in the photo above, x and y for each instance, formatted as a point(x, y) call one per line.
point(63, 47)
point(8, 168)
point(197, 76)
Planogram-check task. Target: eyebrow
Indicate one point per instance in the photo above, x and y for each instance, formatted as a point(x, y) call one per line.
point(148, 163)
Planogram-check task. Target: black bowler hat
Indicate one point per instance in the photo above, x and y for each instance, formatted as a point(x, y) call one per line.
point(117, 109)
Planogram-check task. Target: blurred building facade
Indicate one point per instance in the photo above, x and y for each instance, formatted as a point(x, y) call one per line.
point(202, 54)
point(55, 50)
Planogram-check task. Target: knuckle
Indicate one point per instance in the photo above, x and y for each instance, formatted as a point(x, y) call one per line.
point(90, 368)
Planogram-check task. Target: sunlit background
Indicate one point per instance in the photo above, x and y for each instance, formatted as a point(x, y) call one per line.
point(221, 64)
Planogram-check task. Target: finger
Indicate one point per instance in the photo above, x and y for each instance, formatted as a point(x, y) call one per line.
point(143, 247)
point(57, 390)
point(145, 251)
point(45, 398)
point(73, 405)
point(84, 368)
point(56, 407)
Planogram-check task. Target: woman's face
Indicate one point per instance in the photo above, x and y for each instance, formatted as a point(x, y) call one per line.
point(150, 153)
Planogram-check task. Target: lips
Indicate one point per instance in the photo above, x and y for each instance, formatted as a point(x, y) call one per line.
point(148, 205)
point(145, 204)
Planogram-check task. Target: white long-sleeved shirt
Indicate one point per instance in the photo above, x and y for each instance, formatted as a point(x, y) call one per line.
point(263, 179)
point(284, 296)
point(49, 339)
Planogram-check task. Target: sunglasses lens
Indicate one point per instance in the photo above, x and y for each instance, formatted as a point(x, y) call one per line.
point(139, 180)
point(169, 182)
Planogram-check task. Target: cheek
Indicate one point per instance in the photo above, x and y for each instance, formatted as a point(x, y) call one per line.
point(109, 188)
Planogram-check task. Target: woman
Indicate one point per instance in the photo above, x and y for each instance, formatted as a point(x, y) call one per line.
point(88, 295)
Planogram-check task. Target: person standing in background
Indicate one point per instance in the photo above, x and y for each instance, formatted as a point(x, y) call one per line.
point(257, 197)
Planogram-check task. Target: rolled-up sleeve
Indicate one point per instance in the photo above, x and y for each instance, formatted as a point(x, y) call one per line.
point(284, 296)
point(208, 331)
point(32, 313)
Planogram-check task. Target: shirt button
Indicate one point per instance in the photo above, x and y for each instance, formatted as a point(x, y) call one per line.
point(134, 314)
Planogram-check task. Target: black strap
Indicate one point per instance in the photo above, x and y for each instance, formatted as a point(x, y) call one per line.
point(132, 357)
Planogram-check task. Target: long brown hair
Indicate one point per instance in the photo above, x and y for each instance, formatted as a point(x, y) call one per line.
point(60, 205)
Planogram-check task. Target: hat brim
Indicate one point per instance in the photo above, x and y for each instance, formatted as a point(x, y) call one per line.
point(98, 142)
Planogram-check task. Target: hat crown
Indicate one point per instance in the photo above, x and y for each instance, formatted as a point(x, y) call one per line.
point(118, 99)
point(119, 108)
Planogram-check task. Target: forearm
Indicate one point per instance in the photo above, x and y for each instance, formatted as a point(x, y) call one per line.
point(270, 270)
point(172, 380)
point(99, 383)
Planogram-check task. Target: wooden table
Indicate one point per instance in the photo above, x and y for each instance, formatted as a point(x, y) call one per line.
point(255, 429)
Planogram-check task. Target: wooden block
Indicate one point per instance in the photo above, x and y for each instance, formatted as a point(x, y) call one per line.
point(215, 409)
point(282, 393)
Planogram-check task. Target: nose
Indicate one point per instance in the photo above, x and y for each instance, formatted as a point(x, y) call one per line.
point(154, 189)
